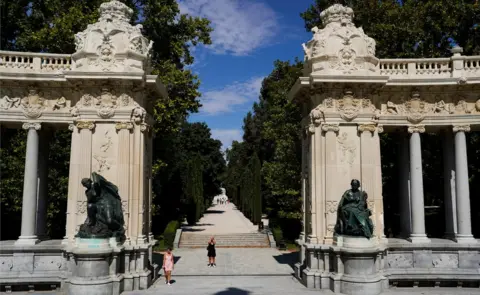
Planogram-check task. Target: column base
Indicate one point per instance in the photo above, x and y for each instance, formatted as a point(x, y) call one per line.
point(418, 239)
point(465, 239)
point(312, 240)
point(449, 236)
point(27, 241)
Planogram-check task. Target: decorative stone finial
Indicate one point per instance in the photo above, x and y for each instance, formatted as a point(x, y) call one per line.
point(115, 11)
point(112, 44)
point(337, 13)
point(340, 48)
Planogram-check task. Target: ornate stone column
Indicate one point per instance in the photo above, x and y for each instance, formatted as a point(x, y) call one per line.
point(29, 201)
point(312, 237)
point(418, 234)
point(44, 141)
point(449, 185)
point(80, 167)
point(367, 164)
point(124, 130)
point(405, 201)
point(331, 131)
point(464, 233)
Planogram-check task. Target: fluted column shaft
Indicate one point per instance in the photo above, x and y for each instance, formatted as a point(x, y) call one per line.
point(449, 185)
point(29, 201)
point(418, 234)
point(123, 172)
point(331, 131)
point(464, 226)
point(312, 238)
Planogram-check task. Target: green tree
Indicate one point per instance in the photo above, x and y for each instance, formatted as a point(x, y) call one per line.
point(256, 167)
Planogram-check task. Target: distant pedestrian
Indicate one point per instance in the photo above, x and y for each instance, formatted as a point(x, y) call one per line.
point(211, 252)
point(168, 264)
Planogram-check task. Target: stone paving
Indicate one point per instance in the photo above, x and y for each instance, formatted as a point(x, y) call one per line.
point(222, 219)
point(244, 271)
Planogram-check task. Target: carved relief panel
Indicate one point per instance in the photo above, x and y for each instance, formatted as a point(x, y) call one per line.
point(34, 102)
point(104, 151)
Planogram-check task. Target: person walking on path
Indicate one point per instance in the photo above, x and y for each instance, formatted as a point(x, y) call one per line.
point(168, 263)
point(211, 252)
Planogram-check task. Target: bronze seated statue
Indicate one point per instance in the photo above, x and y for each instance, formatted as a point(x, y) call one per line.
point(353, 215)
point(104, 210)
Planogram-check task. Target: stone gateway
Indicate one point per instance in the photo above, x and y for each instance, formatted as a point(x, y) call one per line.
point(348, 98)
point(103, 94)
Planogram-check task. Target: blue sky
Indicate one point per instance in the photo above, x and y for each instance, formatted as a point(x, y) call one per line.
point(248, 36)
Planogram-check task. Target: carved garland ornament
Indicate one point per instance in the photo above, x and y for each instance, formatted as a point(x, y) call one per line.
point(332, 206)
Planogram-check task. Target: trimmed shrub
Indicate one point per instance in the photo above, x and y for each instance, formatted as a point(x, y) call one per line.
point(169, 233)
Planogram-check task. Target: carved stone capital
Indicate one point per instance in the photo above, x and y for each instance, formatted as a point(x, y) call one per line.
point(330, 127)
point(124, 125)
point(461, 128)
point(416, 129)
point(379, 128)
point(32, 125)
point(85, 125)
point(367, 127)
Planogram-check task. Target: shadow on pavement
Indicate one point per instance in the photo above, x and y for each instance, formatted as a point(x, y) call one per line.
point(233, 291)
point(186, 229)
point(158, 259)
point(289, 258)
point(214, 212)
point(204, 224)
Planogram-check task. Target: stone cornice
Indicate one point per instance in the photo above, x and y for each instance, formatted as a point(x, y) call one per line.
point(416, 129)
point(461, 128)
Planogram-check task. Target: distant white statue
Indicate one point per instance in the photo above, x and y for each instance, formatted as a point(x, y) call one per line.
point(221, 198)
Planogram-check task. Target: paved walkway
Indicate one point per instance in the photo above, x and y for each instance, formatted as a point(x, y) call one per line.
point(222, 219)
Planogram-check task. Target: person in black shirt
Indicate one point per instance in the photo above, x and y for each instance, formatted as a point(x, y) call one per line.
point(211, 252)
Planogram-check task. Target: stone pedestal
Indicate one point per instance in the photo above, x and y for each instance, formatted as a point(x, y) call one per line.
point(358, 266)
point(95, 268)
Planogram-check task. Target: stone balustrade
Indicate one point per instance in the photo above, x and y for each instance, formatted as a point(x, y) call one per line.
point(430, 67)
point(13, 61)
point(409, 68)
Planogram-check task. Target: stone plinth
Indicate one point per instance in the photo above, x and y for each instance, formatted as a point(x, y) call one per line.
point(357, 269)
point(95, 268)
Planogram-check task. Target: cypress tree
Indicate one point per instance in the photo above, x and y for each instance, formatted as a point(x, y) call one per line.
point(257, 189)
point(190, 191)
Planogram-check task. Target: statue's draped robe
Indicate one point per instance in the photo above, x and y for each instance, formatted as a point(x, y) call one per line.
point(353, 216)
point(109, 219)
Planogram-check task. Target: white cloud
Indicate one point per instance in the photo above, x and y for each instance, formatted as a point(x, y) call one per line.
point(225, 100)
point(226, 136)
point(240, 26)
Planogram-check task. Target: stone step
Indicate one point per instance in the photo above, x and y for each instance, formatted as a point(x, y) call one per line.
point(246, 240)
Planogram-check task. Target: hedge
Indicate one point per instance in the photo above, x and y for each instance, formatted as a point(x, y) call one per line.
point(169, 233)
